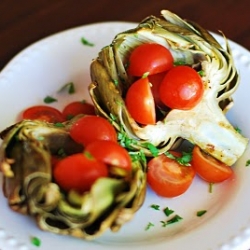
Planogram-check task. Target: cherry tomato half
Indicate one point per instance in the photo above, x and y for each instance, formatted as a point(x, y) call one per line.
point(77, 108)
point(78, 172)
point(111, 153)
point(149, 57)
point(167, 177)
point(155, 81)
point(140, 102)
point(90, 128)
point(181, 88)
point(209, 168)
point(43, 113)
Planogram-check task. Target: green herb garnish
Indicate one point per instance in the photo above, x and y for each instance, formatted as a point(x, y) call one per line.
point(201, 212)
point(116, 82)
point(125, 141)
point(49, 99)
point(113, 118)
point(168, 211)
point(86, 42)
point(138, 156)
point(149, 225)
point(152, 148)
point(69, 87)
point(175, 219)
point(35, 241)
point(180, 62)
point(248, 163)
point(201, 73)
point(155, 207)
point(59, 125)
point(238, 130)
point(184, 159)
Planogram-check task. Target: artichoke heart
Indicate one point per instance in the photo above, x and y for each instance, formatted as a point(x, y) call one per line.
point(204, 125)
point(25, 161)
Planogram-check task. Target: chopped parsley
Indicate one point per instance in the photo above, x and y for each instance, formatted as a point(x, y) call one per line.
point(59, 125)
point(49, 99)
point(167, 211)
point(138, 156)
point(113, 118)
point(201, 73)
point(125, 141)
point(248, 163)
point(184, 159)
point(86, 42)
point(238, 130)
point(201, 212)
point(69, 87)
point(116, 82)
point(155, 207)
point(153, 149)
point(175, 219)
point(180, 62)
point(149, 225)
point(35, 241)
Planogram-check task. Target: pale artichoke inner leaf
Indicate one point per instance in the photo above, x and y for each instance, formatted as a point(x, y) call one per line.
point(42, 194)
point(95, 202)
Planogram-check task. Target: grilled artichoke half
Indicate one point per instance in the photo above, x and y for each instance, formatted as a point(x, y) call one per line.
point(25, 156)
point(204, 125)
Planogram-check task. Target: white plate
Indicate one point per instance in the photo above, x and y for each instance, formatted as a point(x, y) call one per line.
point(40, 70)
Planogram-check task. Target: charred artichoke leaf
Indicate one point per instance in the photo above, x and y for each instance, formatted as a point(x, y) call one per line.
point(29, 162)
point(28, 184)
point(204, 125)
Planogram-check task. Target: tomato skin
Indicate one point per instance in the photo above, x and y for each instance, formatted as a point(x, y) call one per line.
point(182, 88)
point(43, 113)
point(167, 177)
point(77, 108)
point(155, 81)
point(140, 102)
point(78, 172)
point(149, 57)
point(209, 168)
point(90, 128)
point(111, 153)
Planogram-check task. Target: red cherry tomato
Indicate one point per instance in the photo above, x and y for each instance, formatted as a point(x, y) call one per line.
point(181, 88)
point(209, 168)
point(149, 57)
point(111, 153)
point(43, 113)
point(77, 108)
point(140, 102)
point(167, 177)
point(90, 128)
point(155, 81)
point(78, 172)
